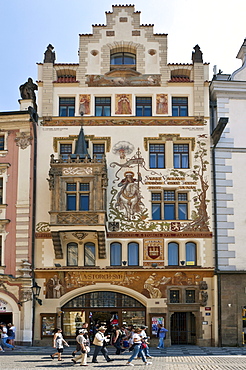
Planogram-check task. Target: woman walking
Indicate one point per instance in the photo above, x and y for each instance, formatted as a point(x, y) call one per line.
point(58, 341)
point(137, 348)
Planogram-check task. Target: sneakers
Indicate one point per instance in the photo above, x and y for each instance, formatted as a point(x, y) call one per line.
point(129, 364)
point(158, 347)
point(148, 363)
point(148, 356)
point(52, 357)
point(73, 360)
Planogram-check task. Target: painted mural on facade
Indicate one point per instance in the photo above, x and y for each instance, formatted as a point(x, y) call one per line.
point(127, 206)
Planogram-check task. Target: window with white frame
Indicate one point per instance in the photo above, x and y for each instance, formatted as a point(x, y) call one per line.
point(115, 254)
point(133, 254)
point(191, 253)
point(181, 155)
point(173, 254)
point(2, 142)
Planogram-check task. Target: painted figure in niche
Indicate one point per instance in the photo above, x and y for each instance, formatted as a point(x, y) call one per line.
point(123, 104)
point(54, 288)
point(161, 104)
point(84, 104)
point(129, 197)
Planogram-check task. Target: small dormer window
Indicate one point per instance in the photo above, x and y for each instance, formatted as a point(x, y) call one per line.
point(122, 59)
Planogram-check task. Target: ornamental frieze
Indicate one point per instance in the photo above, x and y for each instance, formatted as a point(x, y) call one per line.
point(127, 121)
point(149, 283)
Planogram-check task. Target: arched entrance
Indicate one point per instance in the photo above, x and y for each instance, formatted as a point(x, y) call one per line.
point(183, 328)
point(101, 308)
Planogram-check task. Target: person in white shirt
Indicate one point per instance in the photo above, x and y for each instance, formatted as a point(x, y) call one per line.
point(5, 337)
point(99, 341)
point(137, 350)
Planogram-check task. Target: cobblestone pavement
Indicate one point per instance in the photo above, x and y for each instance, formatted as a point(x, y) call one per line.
point(172, 358)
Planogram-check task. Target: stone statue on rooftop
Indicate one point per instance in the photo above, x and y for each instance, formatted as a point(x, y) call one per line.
point(27, 91)
point(49, 55)
point(197, 55)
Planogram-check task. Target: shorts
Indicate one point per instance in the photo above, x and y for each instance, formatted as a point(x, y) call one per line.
point(59, 350)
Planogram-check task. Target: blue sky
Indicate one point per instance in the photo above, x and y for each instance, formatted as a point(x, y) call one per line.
point(28, 26)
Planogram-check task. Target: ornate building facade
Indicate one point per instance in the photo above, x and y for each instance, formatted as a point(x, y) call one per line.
point(17, 159)
point(123, 212)
point(228, 97)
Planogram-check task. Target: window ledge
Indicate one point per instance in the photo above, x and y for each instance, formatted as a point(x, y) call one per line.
point(3, 153)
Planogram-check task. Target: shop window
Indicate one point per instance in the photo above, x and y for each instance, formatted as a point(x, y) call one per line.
point(98, 151)
point(48, 325)
point(1, 190)
point(133, 254)
point(190, 296)
point(1, 142)
point(144, 106)
point(115, 254)
point(169, 205)
point(173, 254)
point(77, 195)
point(72, 254)
point(66, 107)
point(157, 156)
point(179, 107)
point(181, 155)
point(89, 254)
point(190, 251)
point(174, 296)
point(65, 150)
point(102, 107)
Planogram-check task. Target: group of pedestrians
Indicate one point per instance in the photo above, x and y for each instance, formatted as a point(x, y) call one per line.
point(7, 334)
point(135, 339)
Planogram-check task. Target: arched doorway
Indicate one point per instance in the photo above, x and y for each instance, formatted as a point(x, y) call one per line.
point(183, 328)
point(101, 308)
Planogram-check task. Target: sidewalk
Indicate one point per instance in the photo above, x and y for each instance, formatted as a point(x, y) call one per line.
point(172, 358)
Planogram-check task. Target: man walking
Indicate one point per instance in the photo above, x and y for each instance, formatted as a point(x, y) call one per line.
point(100, 345)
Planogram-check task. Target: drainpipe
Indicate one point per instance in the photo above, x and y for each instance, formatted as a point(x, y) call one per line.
point(34, 120)
point(216, 135)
